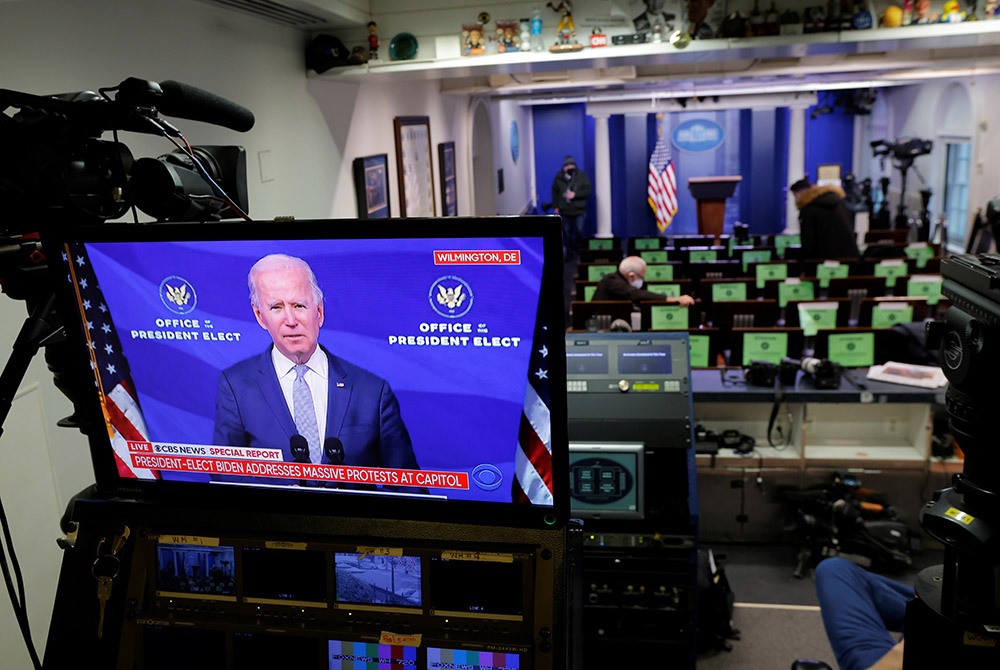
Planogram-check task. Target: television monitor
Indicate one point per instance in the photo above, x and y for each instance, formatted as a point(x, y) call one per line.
point(368, 581)
point(630, 387)
point(445, 372)
point(352, 655)
point(606, 480)
point(471, 659)
point(195, 571)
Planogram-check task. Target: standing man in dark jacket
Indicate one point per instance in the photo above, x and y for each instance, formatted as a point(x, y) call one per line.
point(570, 190)
point(827, 224)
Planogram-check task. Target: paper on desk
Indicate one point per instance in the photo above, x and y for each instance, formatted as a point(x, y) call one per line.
point(924, 376)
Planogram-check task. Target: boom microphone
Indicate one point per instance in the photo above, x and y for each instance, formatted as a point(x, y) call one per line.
point(334, 450)
point(184, 101)
point(299, 447)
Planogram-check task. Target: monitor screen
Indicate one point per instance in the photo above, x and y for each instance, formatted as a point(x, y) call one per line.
point(606, 480)
point(417, 361)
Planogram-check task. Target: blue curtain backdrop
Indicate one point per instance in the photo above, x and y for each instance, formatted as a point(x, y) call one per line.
point(829, 138)
point(755, 146)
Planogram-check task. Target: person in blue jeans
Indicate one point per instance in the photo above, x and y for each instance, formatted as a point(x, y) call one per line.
point(570, 190)
point(859, 610)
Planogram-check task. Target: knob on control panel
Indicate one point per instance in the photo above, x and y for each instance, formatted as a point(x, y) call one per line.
point(623, 385)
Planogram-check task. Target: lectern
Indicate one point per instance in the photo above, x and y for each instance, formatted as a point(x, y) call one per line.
point(711, 194)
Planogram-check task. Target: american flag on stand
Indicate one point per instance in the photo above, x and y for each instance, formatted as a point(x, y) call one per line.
point(533, 457)
point(112, 378)
point(662, 189)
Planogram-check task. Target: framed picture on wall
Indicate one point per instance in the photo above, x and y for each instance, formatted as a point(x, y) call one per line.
point(371, 186)
point(449, 194)
point(413, 166)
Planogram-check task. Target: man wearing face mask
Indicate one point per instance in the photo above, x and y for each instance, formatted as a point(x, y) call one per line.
point(570, 190)
point(628, 283)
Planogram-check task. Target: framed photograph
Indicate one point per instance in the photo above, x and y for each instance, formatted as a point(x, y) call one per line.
point(371, 186)
point(446, 163)
point(413, 166)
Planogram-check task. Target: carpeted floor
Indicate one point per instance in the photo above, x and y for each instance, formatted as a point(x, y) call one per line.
point(777, 615)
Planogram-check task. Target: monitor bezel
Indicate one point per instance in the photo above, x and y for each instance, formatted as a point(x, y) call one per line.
point(327, 502)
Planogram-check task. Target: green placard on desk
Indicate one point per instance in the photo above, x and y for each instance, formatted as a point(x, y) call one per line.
point(755, 256)
point(921, 252)
point(887, 316)
point(729, 291)
point(648, 243)
point(782, 242)
point(600, 244)
point(925, 285)
point(764, 347)
point(669, 290)
point(668, 317)
point(852, 350)
point(792, 289)
point(597, 272)
point(654, 256)
point(703, 255)
point(891, 269)
point(588, 292)
point(830, 270)
point(770, 271)
point(699, 350)
point(656, 273)
point(816, 315)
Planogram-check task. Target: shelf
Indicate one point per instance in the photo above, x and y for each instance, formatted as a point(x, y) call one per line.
point(938, 38)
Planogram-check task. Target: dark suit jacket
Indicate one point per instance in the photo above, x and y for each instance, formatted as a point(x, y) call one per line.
point(614, 286)
point(250, 411)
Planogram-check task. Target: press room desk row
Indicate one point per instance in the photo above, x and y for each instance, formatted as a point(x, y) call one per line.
point(881, 434)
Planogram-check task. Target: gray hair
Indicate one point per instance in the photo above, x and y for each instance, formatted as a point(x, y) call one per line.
point(632, 264)
point(281, 262)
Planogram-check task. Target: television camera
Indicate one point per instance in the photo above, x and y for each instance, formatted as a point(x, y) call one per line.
point(903, 153)
point(957, 606)
point(56, 169)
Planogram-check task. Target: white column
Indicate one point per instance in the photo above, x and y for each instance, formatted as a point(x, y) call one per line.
point(602, 175)
point(796, 164)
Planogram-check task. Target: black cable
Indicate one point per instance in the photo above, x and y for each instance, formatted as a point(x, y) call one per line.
point(20, 610)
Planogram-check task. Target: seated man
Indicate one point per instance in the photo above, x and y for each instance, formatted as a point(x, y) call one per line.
point(629, 282)
point(859, 608)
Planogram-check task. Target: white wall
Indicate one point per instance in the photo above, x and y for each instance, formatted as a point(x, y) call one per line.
point(517, 193)
point(929, 111)
point(307, 129)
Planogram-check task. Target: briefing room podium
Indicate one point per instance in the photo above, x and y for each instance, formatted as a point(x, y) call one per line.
point(711, 194)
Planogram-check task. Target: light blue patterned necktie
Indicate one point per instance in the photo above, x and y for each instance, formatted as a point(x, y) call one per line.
point(305, 413)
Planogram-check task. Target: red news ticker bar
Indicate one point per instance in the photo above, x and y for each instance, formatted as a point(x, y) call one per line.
point(477, 257)
point(331, 473)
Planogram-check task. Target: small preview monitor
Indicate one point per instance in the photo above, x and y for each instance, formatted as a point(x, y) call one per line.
point(347, 655)
point(284, 576)
point(467, 659)
point(477, 586)
point(193, 571)
point(368, 580)
point(606, 480)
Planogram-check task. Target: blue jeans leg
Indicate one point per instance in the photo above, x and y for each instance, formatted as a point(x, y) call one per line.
point(572, 231)
point(859, 609)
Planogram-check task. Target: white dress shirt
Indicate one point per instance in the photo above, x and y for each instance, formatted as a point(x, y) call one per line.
point(317, 376)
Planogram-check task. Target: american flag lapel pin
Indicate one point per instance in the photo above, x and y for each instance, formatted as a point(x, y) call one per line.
point(340, 385)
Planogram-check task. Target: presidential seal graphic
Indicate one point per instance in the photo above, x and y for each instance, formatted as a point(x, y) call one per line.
point(450, 296)
point(178, 295)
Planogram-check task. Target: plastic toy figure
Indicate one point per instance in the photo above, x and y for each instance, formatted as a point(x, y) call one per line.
point(565, 28)
point(951, 14)
point(372, 40)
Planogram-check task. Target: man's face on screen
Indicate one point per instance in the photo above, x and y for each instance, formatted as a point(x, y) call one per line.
point(287, 309)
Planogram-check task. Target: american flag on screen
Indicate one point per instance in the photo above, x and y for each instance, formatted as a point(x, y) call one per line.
point(112, 378)
point(533, 457)
point(662, 189)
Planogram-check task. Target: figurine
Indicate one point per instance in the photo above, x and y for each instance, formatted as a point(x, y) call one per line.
point(508, 36)
point(951, 14)
point(922, 12)
point(473, 42)
point(565, 32)
point(372, 41)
